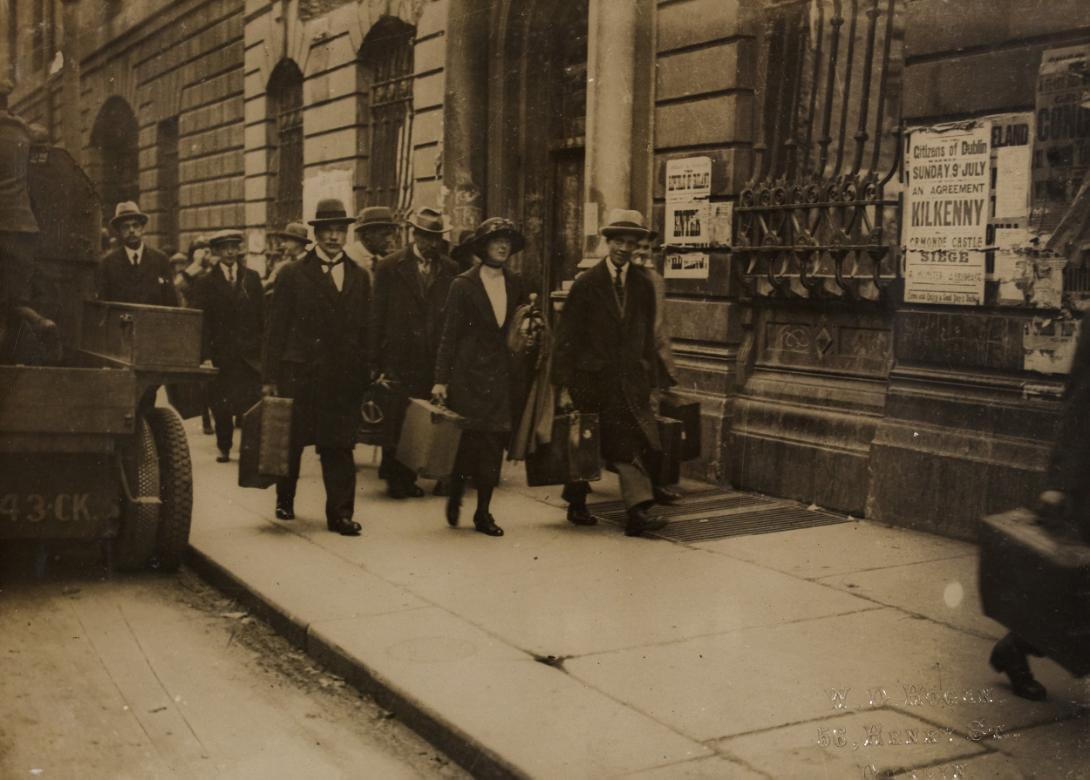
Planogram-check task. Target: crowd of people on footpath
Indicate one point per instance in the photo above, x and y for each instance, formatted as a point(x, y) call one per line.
point(428, 321)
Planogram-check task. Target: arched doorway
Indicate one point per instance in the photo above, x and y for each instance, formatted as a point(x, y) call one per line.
point(536, 161)
point(285, 143)
point(114, 159)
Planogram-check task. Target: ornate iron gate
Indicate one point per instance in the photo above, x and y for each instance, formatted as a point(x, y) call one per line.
point(818, 217)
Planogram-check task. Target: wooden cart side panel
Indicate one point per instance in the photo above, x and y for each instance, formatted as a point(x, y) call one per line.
point(66, 400)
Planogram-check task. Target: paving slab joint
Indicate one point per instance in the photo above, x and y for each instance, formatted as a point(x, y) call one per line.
point(472, 755)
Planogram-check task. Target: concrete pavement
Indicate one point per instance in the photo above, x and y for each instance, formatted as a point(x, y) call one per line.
point(849, 650)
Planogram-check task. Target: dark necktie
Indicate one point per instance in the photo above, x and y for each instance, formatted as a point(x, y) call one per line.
point(231, 275)
point(618, 287)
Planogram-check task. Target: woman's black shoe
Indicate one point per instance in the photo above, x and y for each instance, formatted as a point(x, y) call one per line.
point(486, 524)
point(1009, 659)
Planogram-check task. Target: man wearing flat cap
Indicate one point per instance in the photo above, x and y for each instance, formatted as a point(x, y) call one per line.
point(316, 352)
point(605, 362)
point(134, 272)
point(232, 300)
point(411, 287)
point(376, 232)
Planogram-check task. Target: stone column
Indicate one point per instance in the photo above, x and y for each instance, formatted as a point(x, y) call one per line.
point(70, 92)
point(466, 112)
point(6, 62)
point(611, 75)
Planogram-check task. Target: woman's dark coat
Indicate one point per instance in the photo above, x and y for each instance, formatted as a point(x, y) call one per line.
point(608, 359)
point(232, 334)
point(316, 350)
point(485, 382)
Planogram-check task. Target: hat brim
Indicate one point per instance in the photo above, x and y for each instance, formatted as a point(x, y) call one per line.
point(609, 232)
point(365, 225)
point(331, 221)
point(440, 232)
point(518, 241)
point(141, 216)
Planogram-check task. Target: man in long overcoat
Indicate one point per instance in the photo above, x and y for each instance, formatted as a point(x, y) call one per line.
point(232, 300)
point(134, 272)
point(316, 352)
point(411, 288)
point(605, 362)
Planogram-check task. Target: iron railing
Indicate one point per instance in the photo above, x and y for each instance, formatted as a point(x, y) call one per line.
point(818, 217)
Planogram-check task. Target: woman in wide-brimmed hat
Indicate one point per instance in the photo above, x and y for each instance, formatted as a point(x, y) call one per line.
point(476, 373)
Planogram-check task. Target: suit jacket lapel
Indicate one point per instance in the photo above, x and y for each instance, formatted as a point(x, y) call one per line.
point(605, 287)
point(409, 272)
point(313, 267)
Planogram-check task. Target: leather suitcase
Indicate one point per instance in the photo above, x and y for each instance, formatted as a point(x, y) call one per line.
point(667, 466)
point(688, 412)
point(264, 453)
point(429, 439)
point(1037, 584)
point(573, 454)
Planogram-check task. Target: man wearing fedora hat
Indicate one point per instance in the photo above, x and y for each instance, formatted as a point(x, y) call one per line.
point(376, 232)
point(317, 353)
point(134, 272)
point(605, 361)
point(231, 298)
point(411, 287)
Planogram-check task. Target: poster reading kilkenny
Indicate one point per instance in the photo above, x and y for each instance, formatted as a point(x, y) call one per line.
point(946, 215)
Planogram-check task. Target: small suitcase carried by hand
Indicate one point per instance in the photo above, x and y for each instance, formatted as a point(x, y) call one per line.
point(264, 454)
point(1037, 584)
point(429, 440)
point(572, 455)
point(688, 412)
point(667, 466)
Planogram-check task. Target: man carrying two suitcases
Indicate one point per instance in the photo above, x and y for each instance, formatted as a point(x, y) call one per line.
point(605, 361)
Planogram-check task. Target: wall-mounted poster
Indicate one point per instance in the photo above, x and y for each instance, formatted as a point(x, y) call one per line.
point(688, 178)
point(1061, 149)
point(688, 223)
point(686, 265)
point(946, 214)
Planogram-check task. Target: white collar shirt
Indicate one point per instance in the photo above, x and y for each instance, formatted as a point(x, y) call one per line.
point(495, 287)
point(135, 255)
point(614, 272)
point(422, 262)
point(230, 273)
point(336, 273)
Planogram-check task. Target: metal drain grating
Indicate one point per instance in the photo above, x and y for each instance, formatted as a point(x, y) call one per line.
point(714, 514)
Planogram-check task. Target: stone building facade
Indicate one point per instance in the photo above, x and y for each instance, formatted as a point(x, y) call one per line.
point(817, 380)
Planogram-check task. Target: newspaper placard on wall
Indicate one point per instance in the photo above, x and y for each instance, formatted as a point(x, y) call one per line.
point(1061, 148)
point(688, 179)
point(946, 214)
point(686, 265)
point(688, 224)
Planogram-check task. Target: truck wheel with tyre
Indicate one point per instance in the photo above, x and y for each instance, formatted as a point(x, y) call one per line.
point(175, 487)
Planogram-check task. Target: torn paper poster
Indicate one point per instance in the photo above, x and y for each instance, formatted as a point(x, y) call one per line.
point(686, 265)
point(1049, 345)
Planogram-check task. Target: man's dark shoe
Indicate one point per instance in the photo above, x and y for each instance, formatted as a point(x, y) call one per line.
point(442, 488)
point(486, 524)
point(285, 511)
point(223, 457)
point(344, 526)
point(413, 490)
point(207, 429)
point(1007, 658)
point(664, 495)
point(578, 514)
point(639, 522)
